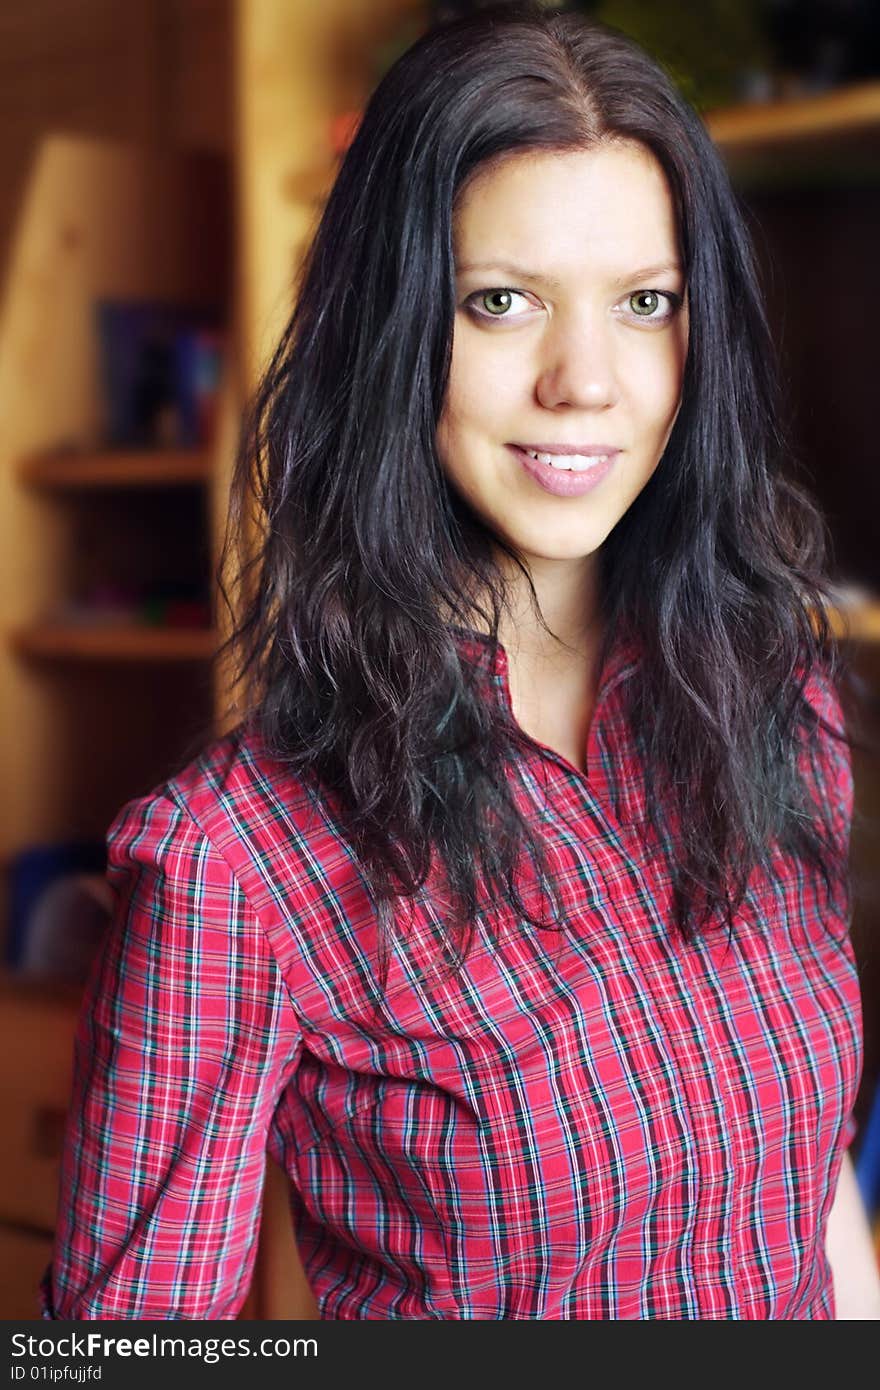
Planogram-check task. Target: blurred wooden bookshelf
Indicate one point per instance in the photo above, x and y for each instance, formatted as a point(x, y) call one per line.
point(829, 140)
point(859, 622)
point(99, 704)
point(138, 468)
point(125, 642)
point(840, 111)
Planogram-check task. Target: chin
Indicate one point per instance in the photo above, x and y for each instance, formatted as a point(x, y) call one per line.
point(574, 547)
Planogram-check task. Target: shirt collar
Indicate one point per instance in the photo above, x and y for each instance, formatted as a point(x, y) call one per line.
point(477, 647)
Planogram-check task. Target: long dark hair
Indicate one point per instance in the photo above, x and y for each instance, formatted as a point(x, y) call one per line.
point(364, 560)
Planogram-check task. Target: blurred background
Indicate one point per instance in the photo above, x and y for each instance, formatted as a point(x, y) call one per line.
point(164, 163)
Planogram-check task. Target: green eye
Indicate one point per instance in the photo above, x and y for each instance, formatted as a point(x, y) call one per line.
point(653, 301)
point(495, 304)
point(503, 300)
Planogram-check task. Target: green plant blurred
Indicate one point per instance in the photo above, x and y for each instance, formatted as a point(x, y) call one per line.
point(712, 51)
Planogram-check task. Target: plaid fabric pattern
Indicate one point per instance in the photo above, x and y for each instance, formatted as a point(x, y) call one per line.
point(596, 1122)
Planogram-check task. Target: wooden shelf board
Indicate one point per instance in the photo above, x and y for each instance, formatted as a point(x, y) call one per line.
point(116, 642)
point(47, 990)
point(841, 111)
point(129, 468)
point(863, 620)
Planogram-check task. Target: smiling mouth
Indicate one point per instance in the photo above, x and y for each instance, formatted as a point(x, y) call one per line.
point(569, 463)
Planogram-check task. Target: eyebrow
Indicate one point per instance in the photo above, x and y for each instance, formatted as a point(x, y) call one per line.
point(519, 273)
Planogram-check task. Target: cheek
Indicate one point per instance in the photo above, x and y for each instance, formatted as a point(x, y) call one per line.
point(450, 415)
point(655, 383)
point(677, 360)
point(667, 406)
point(483, 379)
point(465, 417)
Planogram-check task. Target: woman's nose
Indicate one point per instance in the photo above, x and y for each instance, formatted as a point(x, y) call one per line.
point(578, 369)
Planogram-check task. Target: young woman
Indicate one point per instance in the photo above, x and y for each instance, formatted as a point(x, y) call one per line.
point(512, 918)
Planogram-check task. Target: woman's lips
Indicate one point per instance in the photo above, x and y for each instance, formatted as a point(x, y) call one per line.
point(561, 482)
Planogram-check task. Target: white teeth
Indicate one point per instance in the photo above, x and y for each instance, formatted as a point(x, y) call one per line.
point(574, 463)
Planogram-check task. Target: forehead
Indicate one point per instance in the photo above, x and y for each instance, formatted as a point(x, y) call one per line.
point(609, 206)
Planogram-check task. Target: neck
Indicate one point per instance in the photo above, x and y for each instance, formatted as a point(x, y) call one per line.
point(568, 599)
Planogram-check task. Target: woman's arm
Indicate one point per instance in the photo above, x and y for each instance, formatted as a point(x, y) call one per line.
point(850, 1250)
point(185, 1042)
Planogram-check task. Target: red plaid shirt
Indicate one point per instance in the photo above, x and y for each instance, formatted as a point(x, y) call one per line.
point(599, 1122)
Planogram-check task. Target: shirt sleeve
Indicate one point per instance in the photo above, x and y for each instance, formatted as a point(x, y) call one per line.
point(832, 776)
point(832, 772)
point(185, 1042)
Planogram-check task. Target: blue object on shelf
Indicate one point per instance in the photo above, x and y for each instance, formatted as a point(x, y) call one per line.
point(198, 363)
point(867, 1163)
point(154, 358)
point(30, 874)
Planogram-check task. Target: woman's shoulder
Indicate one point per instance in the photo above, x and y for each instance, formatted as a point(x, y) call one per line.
point(824, 753)
point(827, 726)
point(233, 845)
point(248, 805)
point(236, 781)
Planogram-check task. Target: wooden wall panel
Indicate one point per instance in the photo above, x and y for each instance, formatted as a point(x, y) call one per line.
point(295, 70)
point(196, 43)
point(156, 71)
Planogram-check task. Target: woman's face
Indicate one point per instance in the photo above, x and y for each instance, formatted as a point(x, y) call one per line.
point(571, 331)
